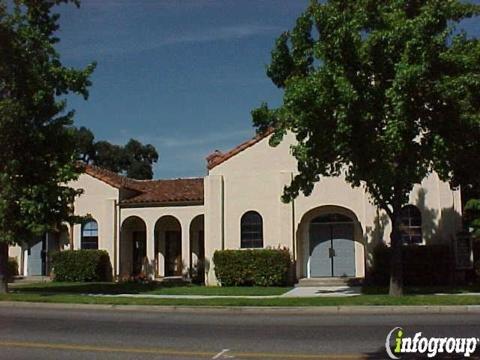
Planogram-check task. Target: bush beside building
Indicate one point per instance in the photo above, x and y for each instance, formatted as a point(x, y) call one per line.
point(429, 265)
point(259, 267)
point(82, 265)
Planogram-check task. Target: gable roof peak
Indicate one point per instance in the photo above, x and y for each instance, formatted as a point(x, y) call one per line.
point(217, 157)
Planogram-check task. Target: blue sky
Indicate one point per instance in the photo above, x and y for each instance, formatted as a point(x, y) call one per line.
point(182, 75)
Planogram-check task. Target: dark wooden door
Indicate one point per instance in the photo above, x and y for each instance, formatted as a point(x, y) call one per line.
point(173, 253)
point(139, 251)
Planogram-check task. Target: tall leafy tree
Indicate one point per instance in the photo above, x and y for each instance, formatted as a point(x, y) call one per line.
point(385, 92)
point(37, 155)
point(109, 156)
point(84, 143)
point(472, 210)
point(134, 160)
point(139, 159)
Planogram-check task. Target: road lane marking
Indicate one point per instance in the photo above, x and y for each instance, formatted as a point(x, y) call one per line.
point(94, 348)
point(223, 354)
point(170, 352)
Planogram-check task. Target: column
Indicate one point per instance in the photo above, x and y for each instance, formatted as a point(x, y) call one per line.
point(214, 218)
point(185, 224)
point(150, 240)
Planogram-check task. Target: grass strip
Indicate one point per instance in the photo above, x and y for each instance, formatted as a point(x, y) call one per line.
point(373, 300)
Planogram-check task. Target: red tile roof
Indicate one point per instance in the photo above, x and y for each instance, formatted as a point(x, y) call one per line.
point(107, 176)
point(151, 191)
point(168, 191)
point(217, 157)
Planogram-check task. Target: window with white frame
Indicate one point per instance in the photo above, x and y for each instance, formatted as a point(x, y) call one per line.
point(90, 235)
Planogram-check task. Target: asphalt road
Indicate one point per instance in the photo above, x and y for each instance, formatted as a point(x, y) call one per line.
point(36, 333)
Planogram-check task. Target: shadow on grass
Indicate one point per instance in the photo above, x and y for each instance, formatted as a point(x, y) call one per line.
point(92, 288)
point(424, 290)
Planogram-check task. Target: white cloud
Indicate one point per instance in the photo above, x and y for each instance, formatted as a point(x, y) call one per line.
point(119, 41)
point(213, 140)
point(184, 155)
point(220, 33)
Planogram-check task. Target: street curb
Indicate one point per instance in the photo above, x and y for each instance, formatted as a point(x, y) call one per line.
point(307, 310)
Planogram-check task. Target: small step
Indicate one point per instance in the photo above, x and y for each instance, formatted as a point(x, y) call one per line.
point(329, 281)
point(20, 279)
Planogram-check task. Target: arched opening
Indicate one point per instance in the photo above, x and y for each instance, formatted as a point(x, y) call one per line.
point(330, 244)
point(168, 246)
point(89, 239)
point(197, 250)
point(133, 247)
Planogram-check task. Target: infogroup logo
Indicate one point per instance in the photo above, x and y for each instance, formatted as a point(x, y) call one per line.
point(398, 344)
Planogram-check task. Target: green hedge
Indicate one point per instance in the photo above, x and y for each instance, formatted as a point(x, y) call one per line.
point(260, 267)
point(423, 265)
point(12, 268)
point(82, 265)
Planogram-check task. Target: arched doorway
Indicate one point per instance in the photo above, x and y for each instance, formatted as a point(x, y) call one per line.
point(197, 247)
point(331, 246)
point(168, 240)
point(330, 243)
point(133, 246)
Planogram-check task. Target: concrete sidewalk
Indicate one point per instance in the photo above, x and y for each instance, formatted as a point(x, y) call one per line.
point(298, 292)
point(324, 291)
point(285, 310)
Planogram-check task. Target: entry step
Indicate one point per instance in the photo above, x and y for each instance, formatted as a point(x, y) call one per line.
point(329, 281)
point(174, 280)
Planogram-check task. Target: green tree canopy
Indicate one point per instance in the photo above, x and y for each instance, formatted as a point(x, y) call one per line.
point(37, 155)
point(384, 91)
point(134, 160)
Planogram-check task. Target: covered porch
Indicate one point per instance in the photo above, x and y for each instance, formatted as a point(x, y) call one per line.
point(161, 242)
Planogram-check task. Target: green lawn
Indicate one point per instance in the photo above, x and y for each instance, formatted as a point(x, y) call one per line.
point(150, 288)
point(425, 290)
point(317, 301)
point(58, 292)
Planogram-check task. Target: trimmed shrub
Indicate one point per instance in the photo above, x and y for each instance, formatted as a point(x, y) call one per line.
point(12, 268)
point(424, 265)
point(476, 268)
point(258, 267)
point(82, 265)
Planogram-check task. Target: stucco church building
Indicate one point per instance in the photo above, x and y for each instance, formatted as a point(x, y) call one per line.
point(173, 227)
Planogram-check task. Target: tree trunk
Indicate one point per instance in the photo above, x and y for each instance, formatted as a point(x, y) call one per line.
point(396, 261)
point(3, 267)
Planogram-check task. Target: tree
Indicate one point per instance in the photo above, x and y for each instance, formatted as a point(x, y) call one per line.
point(36, 146)
point(109, 156)
point(135, 159)
point(139, 159)
point(472, 210)
point(385, 92)
point(84, 144)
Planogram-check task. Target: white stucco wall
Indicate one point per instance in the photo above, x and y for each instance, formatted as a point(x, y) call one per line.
point(254, 180)
point(98, 200)
point(16, 253)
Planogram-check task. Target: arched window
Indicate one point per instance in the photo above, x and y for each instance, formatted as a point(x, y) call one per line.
point(411, 225)
point(251, 230)
point(90, 235)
